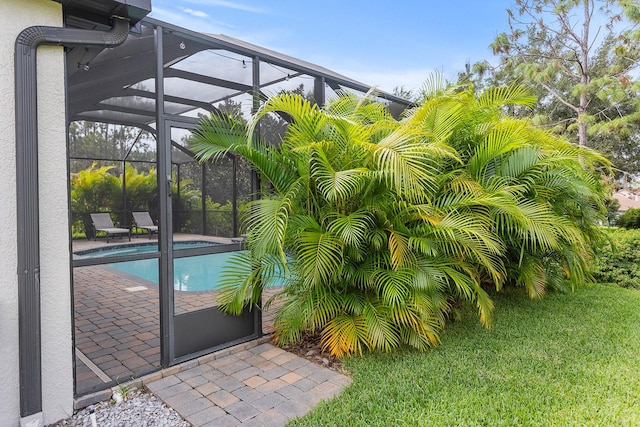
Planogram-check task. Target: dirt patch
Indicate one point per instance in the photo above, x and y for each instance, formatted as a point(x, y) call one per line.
point(309, 347)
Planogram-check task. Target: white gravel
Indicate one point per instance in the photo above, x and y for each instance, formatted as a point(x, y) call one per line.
point(140, 409)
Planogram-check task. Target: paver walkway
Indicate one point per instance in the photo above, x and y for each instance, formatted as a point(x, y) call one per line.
point(117, 331)
point(259, 386)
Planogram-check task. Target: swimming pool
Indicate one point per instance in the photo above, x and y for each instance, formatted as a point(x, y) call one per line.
point(191, 274)
point(197, 273)
point(138, 248)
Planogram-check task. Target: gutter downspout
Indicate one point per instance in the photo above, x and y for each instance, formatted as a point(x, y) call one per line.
point(28, 212)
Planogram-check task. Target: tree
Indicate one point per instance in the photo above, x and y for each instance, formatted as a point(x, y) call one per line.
point(629, 219)
point(377, 226)
point(140, 191)
point(582, 55)
point(94, 140)
point(93, 190)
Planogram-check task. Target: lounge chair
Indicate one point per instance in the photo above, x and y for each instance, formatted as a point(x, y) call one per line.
point(103, 222)
point(143, 220)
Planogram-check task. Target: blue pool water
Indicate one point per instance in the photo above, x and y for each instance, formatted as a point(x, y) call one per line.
point(198, 273)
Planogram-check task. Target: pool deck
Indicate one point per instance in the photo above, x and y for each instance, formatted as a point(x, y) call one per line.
point(117, 324)
point(117, 339)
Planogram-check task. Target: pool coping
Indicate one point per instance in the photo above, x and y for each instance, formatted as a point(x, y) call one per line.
point(80, 254)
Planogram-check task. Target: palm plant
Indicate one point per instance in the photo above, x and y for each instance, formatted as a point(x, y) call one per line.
point(140, 188)
point(376, 227)
point(550, 192)
point(94, 189)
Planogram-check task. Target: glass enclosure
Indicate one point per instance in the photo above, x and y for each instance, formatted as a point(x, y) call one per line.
point(151, 225)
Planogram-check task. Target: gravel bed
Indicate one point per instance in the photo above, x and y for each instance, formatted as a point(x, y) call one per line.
point(140, 409)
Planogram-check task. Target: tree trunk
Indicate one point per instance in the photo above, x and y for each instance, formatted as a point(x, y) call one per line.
point(582, 131)
point(584, 75)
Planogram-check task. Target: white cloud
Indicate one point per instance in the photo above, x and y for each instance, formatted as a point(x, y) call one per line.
point(190, 22)
point(228, 4)
point(196, 13)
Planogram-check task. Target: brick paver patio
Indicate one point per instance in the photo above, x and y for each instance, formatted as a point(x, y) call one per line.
point(259, 386)
point(117, 332)
point(116, 329)
point(117, 325)
point(117, 339)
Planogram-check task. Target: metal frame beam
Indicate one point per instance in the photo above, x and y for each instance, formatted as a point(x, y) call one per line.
point(201, 78)
point(165, 233)
point(121, 109)
point(273, 57)
point(171, 98)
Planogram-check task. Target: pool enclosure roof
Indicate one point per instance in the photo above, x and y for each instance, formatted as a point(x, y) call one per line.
point(200, 73)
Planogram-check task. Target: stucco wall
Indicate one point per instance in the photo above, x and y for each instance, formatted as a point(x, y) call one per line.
point(57, 373)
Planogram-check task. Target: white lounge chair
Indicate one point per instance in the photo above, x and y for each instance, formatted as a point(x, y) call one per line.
point(143, 220)
point(103, 222)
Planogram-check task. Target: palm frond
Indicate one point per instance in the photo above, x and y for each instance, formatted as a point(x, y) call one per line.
point(399, 251)
point(267, 226)
point(320, 257)
point(514, 94)
point(470, 289)
point(239, 276)
point(532, 276)
point(345, 334)
point(217, 135)
point(336, 185)
point(352, 228)
point(405, 163)
point(434, 86)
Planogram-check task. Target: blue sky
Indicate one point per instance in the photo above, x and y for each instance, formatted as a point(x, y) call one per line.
point(383, 43)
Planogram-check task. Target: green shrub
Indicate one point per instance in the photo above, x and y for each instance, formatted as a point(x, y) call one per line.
point(618, 261)
point(613, 207)
point(629, 219)
point(385, 225)
point(93, 190)
point(100, 190)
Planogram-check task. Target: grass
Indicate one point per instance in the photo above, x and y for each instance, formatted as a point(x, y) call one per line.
point(567, 360)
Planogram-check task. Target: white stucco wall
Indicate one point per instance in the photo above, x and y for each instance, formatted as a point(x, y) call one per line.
point(57, 368)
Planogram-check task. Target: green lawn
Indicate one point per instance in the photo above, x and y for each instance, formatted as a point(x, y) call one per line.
point(567, 360)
